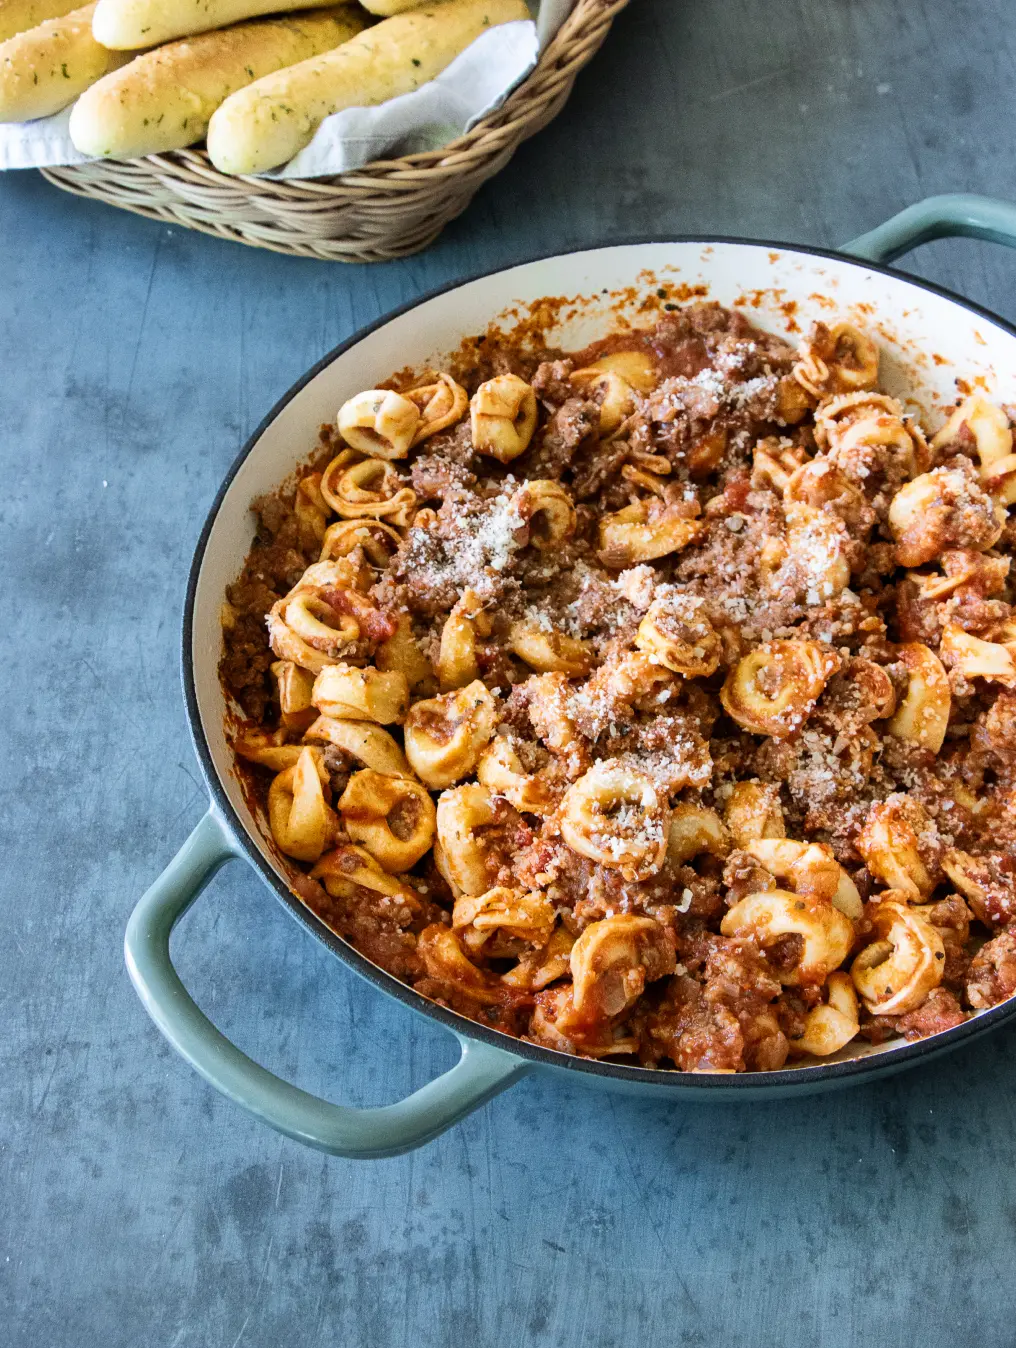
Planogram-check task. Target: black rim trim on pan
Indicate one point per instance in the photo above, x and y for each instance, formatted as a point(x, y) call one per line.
point(872, 1065)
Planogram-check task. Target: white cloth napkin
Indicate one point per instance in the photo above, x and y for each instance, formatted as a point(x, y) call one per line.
point(476, 82)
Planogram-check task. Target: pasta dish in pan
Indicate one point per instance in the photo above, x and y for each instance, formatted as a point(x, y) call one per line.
point(655, 701)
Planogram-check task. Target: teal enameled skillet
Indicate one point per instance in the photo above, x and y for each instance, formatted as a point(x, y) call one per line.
point(928, 337)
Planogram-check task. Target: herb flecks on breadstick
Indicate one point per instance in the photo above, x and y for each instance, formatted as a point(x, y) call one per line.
point(47, 67)
point(270, 121)
point(128, 25)
point(17, 16)
point(164, 98)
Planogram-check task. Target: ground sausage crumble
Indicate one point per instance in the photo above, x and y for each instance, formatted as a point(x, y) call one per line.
point(655, 701)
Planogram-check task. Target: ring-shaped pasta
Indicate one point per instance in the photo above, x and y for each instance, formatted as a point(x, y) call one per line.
point(503, 416)
point(445, 735)
point(841, 359)
point(922, 716)
point(793, 401)
point(371, 489)
point(348, 871)
point(819, 483)
point(301, 822)
point(310, 507)
point(706, 452)
point(445, 961)
point(617, 397)
point(754, 811)
point(817, 545)
point(890, 843)
point(773, 557)
point(635, 534)
point(874, 688)
point(963, 567)
point(512, 913)
point(500, 771)
point(392, 817)
point(975, 658)
point(831, 1026)
point(457, 662)
point(695, 829)
point(926, 512)
point(617, 818)
point(638, 368)
point(461, 812)
point(556, 1023)
point(306, 631)
point(305, 627)
point(550, 652)
point(614, 959)
point(639, 681)
point(378, 542)
point(895, 973)
point(351, 694)
point(652, 479)
point(889, 430)
point(985, 882)
point(657, 464)
point(811, 869)
point(537, 968)
point(401, 654)
point(773, 465)
point(773, 914)
point(268, 748)
point(676, 631)
point(547, 510)
point(317, 623)
point(847, 423)
point(364, 741)
point(986, 422)
point(295, 687)
point(774, 688)
point(379, 422)
point(339, 573)
point(441, 404)
point(999, 480)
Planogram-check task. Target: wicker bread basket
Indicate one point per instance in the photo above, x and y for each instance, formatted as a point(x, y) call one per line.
point(386, 209)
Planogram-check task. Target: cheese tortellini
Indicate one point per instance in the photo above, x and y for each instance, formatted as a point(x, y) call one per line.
point(653, 703)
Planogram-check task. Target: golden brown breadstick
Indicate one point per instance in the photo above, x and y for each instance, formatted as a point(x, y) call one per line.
point(269, 121)
point(386, 8)
point(164, 98)
point(17, 16)
point(127, 25)
point(43, 70)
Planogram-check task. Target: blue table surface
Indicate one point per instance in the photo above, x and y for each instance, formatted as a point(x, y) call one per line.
point(139, 1208)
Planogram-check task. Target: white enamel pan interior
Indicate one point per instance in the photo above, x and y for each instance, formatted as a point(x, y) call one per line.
point(929, 340)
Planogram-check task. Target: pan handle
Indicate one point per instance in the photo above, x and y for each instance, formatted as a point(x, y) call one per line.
point(947, 216)
point(480, 1073)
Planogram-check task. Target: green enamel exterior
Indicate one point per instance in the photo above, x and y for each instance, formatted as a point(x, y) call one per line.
point(953, 215)
point(482, 1071)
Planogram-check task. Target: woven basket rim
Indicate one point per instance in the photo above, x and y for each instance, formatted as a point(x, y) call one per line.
point(385, 209)
point(586, 13)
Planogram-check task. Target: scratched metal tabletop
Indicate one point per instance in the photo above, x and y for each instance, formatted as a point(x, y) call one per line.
point(139, 1208)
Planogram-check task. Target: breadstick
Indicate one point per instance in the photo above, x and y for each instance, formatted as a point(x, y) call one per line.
point(273, 118)
point(163, 99)
point(16, 16)
point(386, 8)
point(126, 25)
point(43, 70)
